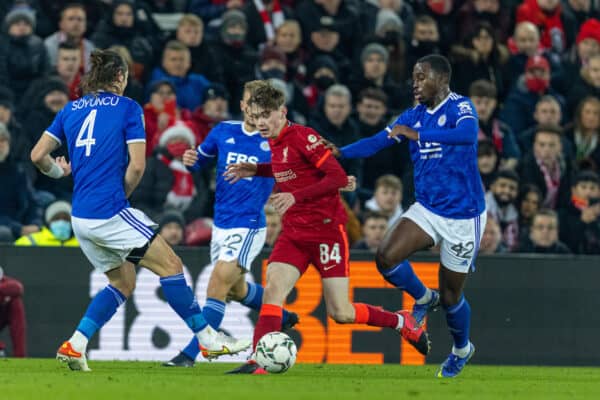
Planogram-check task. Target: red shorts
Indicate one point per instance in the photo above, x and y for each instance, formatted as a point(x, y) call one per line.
point(327, 250)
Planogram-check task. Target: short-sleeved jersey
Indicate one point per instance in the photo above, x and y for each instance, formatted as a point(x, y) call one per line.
point(96, 130)
point(240, 205)
point(447, 180)
point(295, 158)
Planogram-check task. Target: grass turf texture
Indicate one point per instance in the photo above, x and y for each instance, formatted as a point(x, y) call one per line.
point(44, 379)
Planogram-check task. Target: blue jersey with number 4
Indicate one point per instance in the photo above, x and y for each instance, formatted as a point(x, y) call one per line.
point(96, 129)
point(239, 205)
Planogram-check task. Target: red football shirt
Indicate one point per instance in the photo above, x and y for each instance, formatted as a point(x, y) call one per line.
point(303, 166)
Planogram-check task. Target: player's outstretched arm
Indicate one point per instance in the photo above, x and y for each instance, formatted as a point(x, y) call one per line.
point(235, 172)
point(40, 156)
point(136, 166)
point(464, 133)
point(369, 146)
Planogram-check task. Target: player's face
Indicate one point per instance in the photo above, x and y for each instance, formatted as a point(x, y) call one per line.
point(530, 204)
point(544, 230)
point(269, 123)
point(73, 22)
point(374, 230)
point(426, 83)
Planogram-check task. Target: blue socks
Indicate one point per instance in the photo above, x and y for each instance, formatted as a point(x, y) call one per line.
point(100, 311)
point(181, 299)
point(458, 318)
point(254, 297)
point(403, 277)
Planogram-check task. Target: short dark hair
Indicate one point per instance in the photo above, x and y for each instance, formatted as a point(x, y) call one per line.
point(268, 97)
point(529, 188)
point(373, 215)
point(486, 148)
point(373, 94)
point(425, 19)
point(586, 176)
point(546, 212)
point(507, 174)
point(483, 88)
point(68, 45)
point(548, 128)
point(438, 63)
point(73, 4)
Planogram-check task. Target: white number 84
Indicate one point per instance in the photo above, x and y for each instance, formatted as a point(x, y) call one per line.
point(325, 254)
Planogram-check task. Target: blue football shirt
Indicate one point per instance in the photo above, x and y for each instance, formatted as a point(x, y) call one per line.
point(96, 130)
point(239, 205)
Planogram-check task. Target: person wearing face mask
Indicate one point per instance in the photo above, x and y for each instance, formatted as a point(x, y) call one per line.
point(519, 105)
point(24, 56)
point(57, 232)
point(322, 73)
point(167, 183)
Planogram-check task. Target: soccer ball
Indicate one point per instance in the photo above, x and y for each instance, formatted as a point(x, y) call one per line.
point(276, 352)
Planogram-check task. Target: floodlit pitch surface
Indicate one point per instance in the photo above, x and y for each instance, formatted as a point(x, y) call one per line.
point(44, 379)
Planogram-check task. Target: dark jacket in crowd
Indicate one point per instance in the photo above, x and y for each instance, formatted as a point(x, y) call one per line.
point(580, 237)
point(22, 60)
point(527, 246)
point(530, 172)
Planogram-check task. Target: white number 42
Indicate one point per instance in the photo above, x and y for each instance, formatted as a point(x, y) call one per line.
point(88, 129)
point(326, 254)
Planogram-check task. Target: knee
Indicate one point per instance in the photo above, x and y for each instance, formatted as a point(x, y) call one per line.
point(383, 259)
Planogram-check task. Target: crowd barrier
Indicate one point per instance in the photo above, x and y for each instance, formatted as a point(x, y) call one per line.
point(526, 310)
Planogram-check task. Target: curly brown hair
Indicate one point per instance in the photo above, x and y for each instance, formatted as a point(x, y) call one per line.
point(267, 97)
point(103, 75)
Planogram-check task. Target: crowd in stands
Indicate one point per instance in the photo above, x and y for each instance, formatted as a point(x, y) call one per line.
point(531, 68)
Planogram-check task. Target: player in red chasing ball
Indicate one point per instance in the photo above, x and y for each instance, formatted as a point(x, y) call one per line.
point(308, 181)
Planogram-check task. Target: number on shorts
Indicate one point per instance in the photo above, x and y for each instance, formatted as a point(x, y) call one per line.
point(326, 255)
point(232, 240)
point(463, 250)
point(87, 128)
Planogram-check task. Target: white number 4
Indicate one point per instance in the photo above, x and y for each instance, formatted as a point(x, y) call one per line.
point(326, 255)
point(87, 128)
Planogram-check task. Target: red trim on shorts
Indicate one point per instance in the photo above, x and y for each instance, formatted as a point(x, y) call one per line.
point(361, 313)
point(323, 158)
point(346, 250)
point(271, 310)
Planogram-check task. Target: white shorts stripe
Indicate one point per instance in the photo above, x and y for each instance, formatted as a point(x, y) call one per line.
point(137, 222)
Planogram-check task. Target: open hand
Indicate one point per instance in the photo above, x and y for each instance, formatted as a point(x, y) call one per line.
point(282, 201)
point(237, 171)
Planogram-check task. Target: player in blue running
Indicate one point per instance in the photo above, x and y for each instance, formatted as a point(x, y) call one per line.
point(449, 208)
point(105, 137)
point(239, 228)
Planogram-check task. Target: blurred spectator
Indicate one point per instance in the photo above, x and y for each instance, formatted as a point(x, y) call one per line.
point(579, 11)
point(342, 16)
point(543, 237)
point(484, 96)
point(487, 162)
point(479, 57)
point(580, 219)
point(164, 6)
point(585, 133)
point(236, 56)
point(44, 99)
point(167, 183)
point(387, 198)
point(273, 226)
point(333, 122)
point(72, 26)
point(424, 40)
point(322, 73)
point(23, 56)
point(120, 27)
point(391, 31)
point(19, 142)
point(586, 84)
point(473, 12)
point(374, 60)
point(557, 29)
point(175, 68)
point(57, 232)
point(171, 226)
point(324, 39)
point(162, 112)
point(491, 241)
point(190, 31)
point(546, 168)
point(500, 205)
point(209, 10)
point(264, 17)
point(587, 44)
point(214, 110)
point(19, 214)
point(68, 63)
point(12, 314)
point(529, 202)
point(524, 43)
point(523, 96)
point(374, 12)
point(289, 39)
point(373, 229)
point(134, 88)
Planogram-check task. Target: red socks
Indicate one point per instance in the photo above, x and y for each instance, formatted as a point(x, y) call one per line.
point(374, 316)
point(269, 320)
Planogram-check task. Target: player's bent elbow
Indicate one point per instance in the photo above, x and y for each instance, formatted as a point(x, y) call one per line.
point(36, 156)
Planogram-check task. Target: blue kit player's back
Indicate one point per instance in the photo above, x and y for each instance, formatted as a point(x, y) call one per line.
point(97, 129)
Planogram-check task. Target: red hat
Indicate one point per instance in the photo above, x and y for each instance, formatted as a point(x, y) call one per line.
point(590, 29)
point(537, 62)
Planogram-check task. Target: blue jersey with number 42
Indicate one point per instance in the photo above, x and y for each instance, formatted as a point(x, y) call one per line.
point(96, 130)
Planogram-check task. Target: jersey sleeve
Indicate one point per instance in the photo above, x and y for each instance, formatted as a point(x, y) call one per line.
point(463, 109)
point(309, 143)
point(209, 147)
point(56, 129)
point(134, 124)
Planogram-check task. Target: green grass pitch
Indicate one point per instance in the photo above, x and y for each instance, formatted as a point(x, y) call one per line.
point(44, 379)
